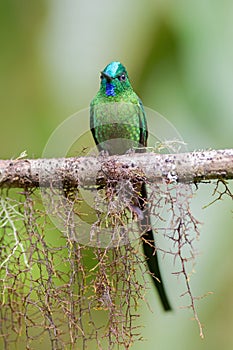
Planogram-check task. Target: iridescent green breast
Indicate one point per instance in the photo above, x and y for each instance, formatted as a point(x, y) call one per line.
point(118, 126)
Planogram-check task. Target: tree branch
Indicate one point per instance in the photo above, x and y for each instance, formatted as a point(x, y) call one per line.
point(190, 167)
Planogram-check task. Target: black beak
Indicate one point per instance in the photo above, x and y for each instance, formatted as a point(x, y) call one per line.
point(107, 77)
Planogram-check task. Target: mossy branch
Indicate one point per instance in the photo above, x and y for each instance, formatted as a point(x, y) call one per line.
point(193, 167)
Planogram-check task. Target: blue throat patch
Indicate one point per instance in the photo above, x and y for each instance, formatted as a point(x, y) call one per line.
point(110, 89)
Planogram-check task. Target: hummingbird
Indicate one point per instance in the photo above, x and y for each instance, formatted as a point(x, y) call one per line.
point(118, 123)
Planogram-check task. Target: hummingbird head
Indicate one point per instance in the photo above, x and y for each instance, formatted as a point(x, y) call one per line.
point(114, 79)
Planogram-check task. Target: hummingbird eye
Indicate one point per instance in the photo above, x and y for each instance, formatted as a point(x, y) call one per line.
point(122, 77)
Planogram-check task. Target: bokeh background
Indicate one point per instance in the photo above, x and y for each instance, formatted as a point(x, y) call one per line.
point(179, 56)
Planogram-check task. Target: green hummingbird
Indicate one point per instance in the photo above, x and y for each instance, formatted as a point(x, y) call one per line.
point(118, 124)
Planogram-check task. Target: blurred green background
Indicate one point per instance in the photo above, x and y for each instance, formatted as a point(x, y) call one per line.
point(179, 56)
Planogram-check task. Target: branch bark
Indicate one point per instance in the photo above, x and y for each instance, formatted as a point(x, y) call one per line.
point(193, 167)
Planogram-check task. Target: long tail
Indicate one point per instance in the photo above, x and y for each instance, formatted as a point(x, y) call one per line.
point(150, 251)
